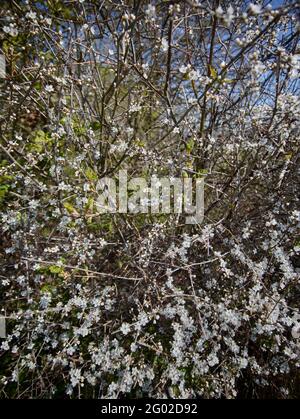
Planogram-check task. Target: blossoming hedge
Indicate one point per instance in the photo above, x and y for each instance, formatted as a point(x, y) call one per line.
point(131, 305)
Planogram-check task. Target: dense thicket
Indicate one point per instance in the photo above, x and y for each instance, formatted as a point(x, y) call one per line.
point(114, 305)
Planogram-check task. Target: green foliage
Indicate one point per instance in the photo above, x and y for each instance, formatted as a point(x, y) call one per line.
point(91, 174)
point(56, 271)
point(41, 140)
point(5, 181)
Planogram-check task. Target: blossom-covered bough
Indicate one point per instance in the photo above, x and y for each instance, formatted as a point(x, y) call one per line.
point(113, 305)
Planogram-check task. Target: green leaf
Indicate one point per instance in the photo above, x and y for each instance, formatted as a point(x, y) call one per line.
point(91, 174)
point(227, 81)
point(213, 72)
point(190, 146)
point(70, 208)
point(54, 269)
